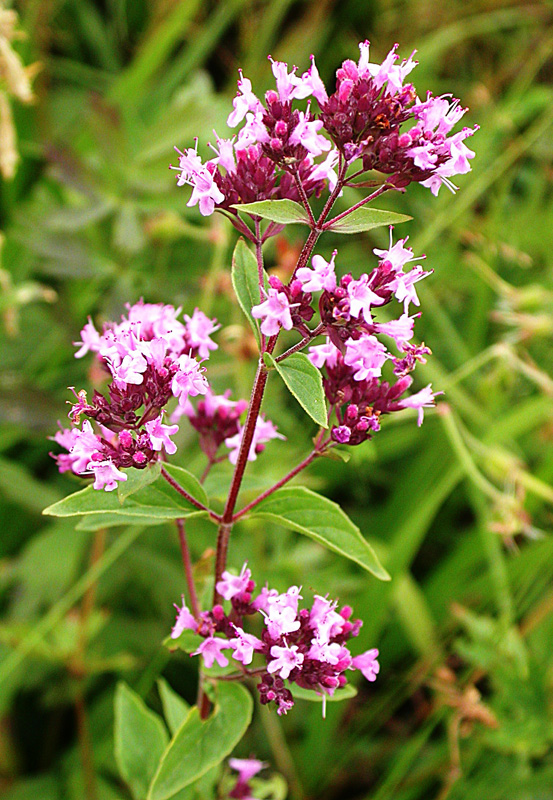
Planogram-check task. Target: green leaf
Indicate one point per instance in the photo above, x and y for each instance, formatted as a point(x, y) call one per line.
point(315, 516)
point(345, 693)
point(159, 502)
point(188, 641)
point(199, 745)
point(365, 219)
point(94, 522)
point(140, 740)
point(137, 479)
point(305, 382)
point(245, 280)
point(175, 709)
point(285, 212)
point(189, 483)
point(336, 454)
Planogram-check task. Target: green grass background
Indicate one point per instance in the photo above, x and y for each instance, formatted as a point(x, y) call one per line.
point(459, 510)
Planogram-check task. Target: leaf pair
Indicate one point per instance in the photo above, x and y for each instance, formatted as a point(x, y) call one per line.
point(157, 768)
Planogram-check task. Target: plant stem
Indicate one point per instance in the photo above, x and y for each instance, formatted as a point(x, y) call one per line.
point(187, 563)
point(318, 227)
point(226, 520)
point(192, 500)
point(305, 463)
point(373, 196)
point(321, 327)
point(304, 198)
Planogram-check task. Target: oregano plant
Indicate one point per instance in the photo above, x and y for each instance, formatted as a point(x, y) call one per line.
point(346, 363)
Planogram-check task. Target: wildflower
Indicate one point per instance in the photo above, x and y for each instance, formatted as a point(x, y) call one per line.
point(322, 276)
point(366, 355)
point(184, 620)
point(367, 663)
point(421, 400)
point(211, 650)
point(106, 474)
point(275, 313)
point(232, 585)
point(159, 435)
point(285, 659)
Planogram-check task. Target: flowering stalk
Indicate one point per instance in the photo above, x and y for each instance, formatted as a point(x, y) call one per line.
point(284, 154)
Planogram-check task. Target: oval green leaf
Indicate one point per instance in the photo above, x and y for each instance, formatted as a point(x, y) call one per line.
point(157, 502)
point(245, 281)
point(175, 709)
point(189, 483)
point(305, 382)
point(140, 740)
point(198, 745)
point(365, 219)
point(309, 513)
point(285, 212)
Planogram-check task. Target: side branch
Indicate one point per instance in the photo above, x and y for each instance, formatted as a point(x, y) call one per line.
point(292, 474)
point(183, 493)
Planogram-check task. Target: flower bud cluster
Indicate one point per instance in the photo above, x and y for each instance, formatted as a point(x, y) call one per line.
point(354, 356)
point(372, 118)
point(306, 647)
point(150, 358)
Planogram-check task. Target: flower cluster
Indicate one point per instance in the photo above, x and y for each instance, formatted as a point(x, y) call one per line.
point(373, 118)
point(306, 647)
point(217, 421)
point(353, 355)
point(150, 357)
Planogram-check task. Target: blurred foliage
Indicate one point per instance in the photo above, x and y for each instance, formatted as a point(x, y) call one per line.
point(459, 510)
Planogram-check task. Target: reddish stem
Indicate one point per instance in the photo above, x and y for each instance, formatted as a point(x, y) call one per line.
point(305, 341)
point(373, 196)
point(183, 493)
point(187, 563)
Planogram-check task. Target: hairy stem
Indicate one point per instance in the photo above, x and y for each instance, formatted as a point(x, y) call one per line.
point(187, 564)
point(373, 196)
point(321, 327)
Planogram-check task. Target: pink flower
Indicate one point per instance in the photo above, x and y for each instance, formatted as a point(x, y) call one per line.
point(106, 474)
point(396, 255)
point(275, 312)
point(403, 286)
point(205, 191)
point(285, 659)
point(361, 298)
point(189, 381)
point(366, 355)
point(287, 83)
point(131, 369)
point(367, 663)
point(90, 340)
point(198, 330)
point(324, 171)
point(232, 585)
point(322, 276)
point(247, 767)
point(401, 330)
point(393, 74)
point(305, 133)
point(243, 102)
point(321, 354)
point(225, 153)
point(244, 646)
point(184, 621)
point(211, 650)
point(85, 445)
point(421, 400)
point(159, 435)
point(311, 84)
